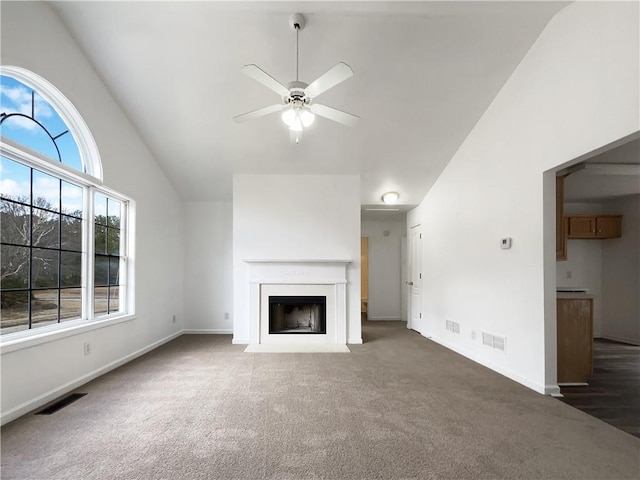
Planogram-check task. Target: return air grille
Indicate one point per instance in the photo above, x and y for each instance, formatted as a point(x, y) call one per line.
point(494, 341)
point(63, 402)
point(453, 326)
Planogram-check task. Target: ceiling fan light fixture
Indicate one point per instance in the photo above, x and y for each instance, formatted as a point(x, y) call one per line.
point(390, 198)
point(296, 118)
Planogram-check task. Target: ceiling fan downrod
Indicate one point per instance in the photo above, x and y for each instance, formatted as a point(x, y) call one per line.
point(296, 21)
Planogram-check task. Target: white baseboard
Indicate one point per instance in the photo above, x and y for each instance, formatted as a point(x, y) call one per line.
point(542, 389)
point(240, 341)
point(553, 390)
point(355, 341)
point(381, 318)
point(45, 398)
point(207, 331)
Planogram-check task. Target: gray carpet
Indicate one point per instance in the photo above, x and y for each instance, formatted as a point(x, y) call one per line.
point(397, 407)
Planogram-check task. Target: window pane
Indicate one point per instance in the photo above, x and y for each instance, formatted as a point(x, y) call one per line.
point(72, 199)
point(28, 133)
point(15, 222)
point(15, 267)
point(44, 268)
point(101, 239)
point(71, 233)
point(46, 191)
point(102, 270)
point(114, 299)
point(15, 181)
point(71, 269)
point(113, 241)
point(69, 151)
point(15, 311)
point(44, 307)
point(46, 228)
point(114, 208)
point(70, 304)
point(100, 209)
point(114, 270)
point(101, 300)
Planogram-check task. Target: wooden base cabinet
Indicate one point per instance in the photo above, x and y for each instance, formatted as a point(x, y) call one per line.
point(575, 339)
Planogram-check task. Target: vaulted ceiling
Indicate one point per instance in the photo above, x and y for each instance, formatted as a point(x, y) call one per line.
point(424, 74)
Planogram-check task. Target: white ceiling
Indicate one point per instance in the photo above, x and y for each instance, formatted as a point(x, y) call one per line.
point(424, 74)
point(613, 173)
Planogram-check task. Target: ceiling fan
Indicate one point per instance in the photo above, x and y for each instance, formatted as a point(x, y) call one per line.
point(298, 106)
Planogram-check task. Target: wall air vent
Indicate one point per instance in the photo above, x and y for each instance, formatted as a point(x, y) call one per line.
point(494, 341)
point(453, 327)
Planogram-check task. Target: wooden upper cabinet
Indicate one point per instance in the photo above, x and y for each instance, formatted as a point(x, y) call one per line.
point(594, 226)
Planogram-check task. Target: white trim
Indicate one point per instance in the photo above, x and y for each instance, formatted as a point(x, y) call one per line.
point(240, 341)
point(12, 342)
point(87, 147)
point(542, 389)
point(355, 341)
point(393, 318)
point(45, 398)
point(207, 331)
point(553, 390)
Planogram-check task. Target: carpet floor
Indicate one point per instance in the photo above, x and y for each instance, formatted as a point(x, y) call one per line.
point(398, 407)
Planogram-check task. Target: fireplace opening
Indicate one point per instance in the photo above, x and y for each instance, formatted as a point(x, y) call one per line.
point(298, 314)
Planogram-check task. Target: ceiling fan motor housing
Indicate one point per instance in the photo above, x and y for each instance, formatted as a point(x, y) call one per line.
point(296, 94)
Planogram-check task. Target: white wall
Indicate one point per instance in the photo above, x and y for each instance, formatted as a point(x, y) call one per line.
point(208, 277)
point(575, 91)
point(308, 217)
point(583, 267)
point(385, 263)
point(621, 273)
point(34, 38)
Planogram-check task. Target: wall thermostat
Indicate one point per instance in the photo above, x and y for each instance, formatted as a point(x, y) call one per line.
point(505, 242)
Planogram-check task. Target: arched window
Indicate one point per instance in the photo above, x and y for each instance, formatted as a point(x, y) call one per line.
point(64, 236)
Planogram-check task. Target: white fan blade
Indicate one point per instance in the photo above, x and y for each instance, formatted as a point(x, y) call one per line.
point(261, 112)
point(264, 78)
point(334, 114)
point(337, 74)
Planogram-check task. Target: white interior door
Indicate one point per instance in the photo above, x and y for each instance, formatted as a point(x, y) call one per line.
point(415, 280)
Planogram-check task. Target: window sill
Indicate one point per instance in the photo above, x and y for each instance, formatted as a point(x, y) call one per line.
point(31, 339)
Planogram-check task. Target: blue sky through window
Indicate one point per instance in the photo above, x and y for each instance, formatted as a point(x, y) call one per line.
point(15, 97)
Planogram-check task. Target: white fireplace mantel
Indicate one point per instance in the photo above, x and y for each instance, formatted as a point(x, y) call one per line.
point(299, 272)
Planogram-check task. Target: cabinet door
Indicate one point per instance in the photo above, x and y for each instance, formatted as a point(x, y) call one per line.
point(582, 227)
point(575, 339)
point(608, 227)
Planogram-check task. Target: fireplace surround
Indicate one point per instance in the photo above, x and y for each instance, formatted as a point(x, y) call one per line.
point(300, 280)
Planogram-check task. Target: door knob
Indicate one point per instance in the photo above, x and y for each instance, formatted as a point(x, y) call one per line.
point(409, 283)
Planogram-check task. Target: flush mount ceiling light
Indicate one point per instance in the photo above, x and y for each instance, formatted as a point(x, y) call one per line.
point(390, 197)
point(298, 108)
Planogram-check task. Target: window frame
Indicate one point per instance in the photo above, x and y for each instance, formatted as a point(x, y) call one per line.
point(92, 184)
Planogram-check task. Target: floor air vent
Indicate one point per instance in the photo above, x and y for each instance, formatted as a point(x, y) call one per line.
point(494, 341)
point(63, 402)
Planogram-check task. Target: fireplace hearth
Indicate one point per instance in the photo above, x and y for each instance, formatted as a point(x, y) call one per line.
point(297, 315)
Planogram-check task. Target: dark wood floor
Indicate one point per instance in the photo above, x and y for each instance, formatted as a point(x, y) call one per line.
point(613, 393)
